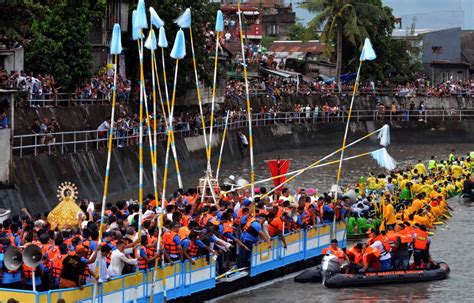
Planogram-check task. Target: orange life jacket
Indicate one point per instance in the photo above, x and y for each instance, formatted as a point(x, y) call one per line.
point(142, 263)
point(170, 246)
point(354, 255)
point(183, 232)
point(405, 237)
point(335, 252)
point(185, 219)
point(421, 241)
point(57, 265)
point(370, 251)
point(28, 272)
point(193, 249)
point(386, 244)
point(205, 219)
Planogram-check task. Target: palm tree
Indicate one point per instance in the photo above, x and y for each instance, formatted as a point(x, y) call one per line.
point(343, 19)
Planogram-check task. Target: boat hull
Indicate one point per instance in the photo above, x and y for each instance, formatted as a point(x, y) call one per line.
point(314, 275)
point(388, 277)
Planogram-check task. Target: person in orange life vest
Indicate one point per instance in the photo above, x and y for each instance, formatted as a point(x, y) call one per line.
point(252, 231)
point(15, 238)
point(370, 258)
point(57, 265)
point(144, 259)
point(242, 217)
point(73, 267)
point(226, 230)
point(320, 210)
point(334, 250)
point(10, 278)
point(172, 242)
point(309, 216)
point(401, 255)
point(421, 246)
point(186, 216)
point(192, 246)
point(381, 242)
point(275, 226)
point(355, 256)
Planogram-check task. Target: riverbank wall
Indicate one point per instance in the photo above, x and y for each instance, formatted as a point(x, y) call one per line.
point(35, 179)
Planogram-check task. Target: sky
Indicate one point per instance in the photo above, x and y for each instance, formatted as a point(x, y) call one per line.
point(429, 13)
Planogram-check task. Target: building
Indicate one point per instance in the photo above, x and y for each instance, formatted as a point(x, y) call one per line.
point(276, 16)
point(12, 59)
point(306, 57)
point(117, 11)
point(277, 20)
point(439, 50)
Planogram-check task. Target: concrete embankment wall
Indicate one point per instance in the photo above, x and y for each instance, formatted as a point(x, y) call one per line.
point(36, 178)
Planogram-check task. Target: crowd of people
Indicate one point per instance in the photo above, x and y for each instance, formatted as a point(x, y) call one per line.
point(408, 203)
point(399, 210)
point(278, 88)
point(43, 89)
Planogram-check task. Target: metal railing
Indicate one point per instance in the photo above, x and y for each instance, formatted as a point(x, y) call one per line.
point(72, 141)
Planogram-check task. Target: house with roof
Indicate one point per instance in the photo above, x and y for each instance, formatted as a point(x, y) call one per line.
point(439, 50)
point(305, 57)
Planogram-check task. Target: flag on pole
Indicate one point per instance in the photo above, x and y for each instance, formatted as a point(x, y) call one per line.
point(384, 159)
point(150, 42)
point(141, 20)
point(116, 42)
point(155, 19)
point(368, 52)
point(179, 47)
point(184, 21)
point(162, 41)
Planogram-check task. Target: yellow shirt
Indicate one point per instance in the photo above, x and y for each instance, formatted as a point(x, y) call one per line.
point(421, 168)
point(389, 214)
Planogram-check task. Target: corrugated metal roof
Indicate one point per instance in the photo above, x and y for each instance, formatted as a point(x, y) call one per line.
point(297, 46)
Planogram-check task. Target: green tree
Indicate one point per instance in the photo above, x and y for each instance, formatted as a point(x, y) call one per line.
point(298, 31)
point(61, 41)
point(343, 20)
point(16, 17)
point(394, 57)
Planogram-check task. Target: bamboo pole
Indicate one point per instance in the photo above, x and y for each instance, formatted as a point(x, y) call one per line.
point(107, 174)
point(249, 109)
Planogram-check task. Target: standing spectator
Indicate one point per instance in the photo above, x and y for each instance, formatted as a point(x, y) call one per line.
point(102, 131)
point(122, 128)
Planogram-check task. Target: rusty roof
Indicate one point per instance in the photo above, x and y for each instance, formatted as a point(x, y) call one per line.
point(297, 46)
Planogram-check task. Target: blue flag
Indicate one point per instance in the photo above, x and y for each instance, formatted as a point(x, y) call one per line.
point(368, 52)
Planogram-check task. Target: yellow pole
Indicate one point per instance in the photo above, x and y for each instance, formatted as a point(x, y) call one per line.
point(107, 173)
point(356, 85)
point(249, 109)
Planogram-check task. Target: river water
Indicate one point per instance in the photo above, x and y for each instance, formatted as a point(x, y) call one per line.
point(451, 243)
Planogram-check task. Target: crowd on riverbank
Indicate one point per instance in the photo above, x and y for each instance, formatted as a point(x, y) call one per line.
point(415, 197)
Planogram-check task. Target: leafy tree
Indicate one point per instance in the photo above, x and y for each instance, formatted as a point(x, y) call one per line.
point(298, 31)
point(16, 17)
point(61, 40)
point(344, 20)
point(393, 58)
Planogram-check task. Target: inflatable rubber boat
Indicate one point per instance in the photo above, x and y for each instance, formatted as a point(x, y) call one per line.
point(329, 274)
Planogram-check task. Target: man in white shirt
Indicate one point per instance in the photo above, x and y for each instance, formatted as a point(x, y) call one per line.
point(385, 255)
point(118, 259)
point(102, 261)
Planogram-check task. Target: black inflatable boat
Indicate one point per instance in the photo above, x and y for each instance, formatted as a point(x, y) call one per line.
point(338, 280)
